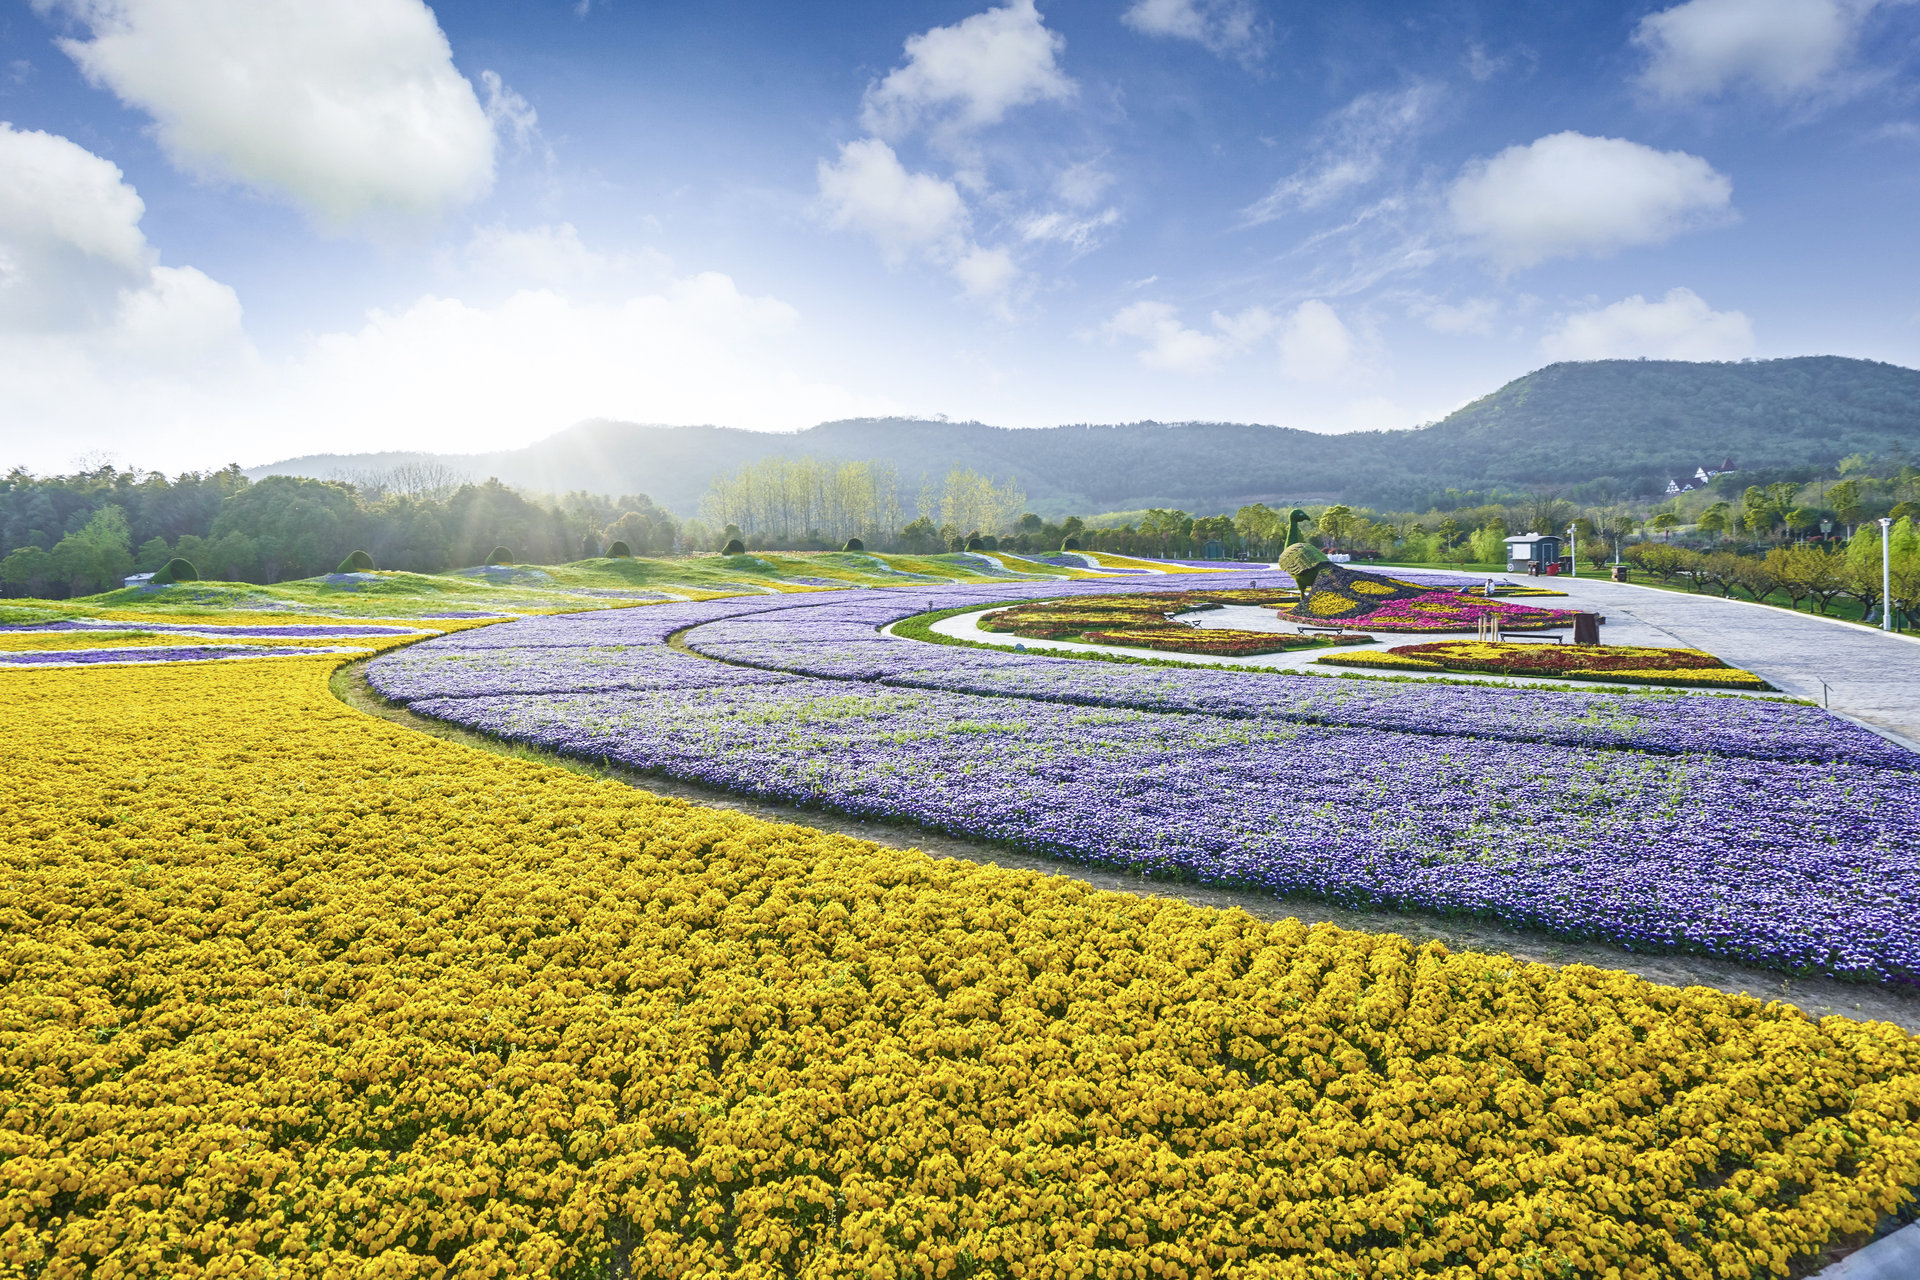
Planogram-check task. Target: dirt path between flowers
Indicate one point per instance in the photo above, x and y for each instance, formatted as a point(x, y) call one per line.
point(1817, 997)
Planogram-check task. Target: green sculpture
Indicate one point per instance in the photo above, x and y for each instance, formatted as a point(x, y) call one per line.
point(1298, 557)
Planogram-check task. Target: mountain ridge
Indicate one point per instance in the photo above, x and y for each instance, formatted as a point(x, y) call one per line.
point(1624, 426)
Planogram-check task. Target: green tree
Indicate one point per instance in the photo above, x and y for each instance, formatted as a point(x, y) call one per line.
point(298, 527)
point(99, 556)
point(28, 571)
point(1845, 499)
point(1336, 525)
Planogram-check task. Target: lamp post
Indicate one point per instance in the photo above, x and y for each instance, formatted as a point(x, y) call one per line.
point(1886, 574)
point(1826, 527)
point(1573, 552)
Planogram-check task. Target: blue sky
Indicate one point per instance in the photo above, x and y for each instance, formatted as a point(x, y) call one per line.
point(246, 229)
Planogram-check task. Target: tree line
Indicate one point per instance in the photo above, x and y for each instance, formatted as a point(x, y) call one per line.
point(1819, 571)
point(81, 533)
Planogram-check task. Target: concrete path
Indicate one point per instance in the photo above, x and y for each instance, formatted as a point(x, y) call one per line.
point(1870, 677)
point(1894, 1257)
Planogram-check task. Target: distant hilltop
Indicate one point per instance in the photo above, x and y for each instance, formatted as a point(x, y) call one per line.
point(1608, 427)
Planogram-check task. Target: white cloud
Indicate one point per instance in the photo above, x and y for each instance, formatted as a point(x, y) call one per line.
point(1475, 315)
point(553, 255)
point(510, 113)
point(1080, 234)
point(85, 307)
point(1680, 326)
point(1171, 346)
point(76, 267)
point(351, 108)
point(443, 373)
point(1082, 184)
point(1350, 150)
point(1568, 194)
point(870, 191)
point(987, 275)
point(1786, 48)
point(971, 73)
point(699, 350)
point(56, 192)
point(1221, 26)
point(1313, 344)
point(1246, 327)
point(1316, 345)
point(180, 316)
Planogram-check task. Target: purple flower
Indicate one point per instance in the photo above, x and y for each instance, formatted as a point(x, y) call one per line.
point(1757, 831)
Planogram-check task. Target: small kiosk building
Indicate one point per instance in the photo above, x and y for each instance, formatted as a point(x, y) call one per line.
point(1533, 553)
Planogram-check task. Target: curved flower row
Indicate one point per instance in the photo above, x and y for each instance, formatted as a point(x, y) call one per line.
point(285, 990)
point(1630, 664)
point(1796, 864)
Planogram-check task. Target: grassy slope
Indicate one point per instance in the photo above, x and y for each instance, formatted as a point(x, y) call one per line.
point(583, 584)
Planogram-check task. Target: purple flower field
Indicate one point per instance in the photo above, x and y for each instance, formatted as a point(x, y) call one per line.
point(1750, 830)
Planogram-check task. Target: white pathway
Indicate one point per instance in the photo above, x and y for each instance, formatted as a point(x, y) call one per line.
point(1870, 677)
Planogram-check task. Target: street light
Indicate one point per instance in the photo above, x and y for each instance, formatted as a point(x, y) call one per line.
point(1886, 574)
point(1573, 552)
point(1826, 527)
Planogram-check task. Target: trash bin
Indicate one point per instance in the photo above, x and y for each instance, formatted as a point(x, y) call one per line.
point(1622, 573)
point(1586, 628)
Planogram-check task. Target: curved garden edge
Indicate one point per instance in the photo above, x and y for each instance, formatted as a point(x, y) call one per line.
point(1817, 997)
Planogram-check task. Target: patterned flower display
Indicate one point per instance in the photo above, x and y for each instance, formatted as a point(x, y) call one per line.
point(1621, 664)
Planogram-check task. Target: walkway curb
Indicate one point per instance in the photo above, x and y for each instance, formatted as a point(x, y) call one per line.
point(1894, 1257)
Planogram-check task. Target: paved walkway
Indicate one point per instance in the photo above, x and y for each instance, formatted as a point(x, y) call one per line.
point(1870, 677)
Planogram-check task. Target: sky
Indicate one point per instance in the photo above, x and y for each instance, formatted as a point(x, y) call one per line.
point(244, 230)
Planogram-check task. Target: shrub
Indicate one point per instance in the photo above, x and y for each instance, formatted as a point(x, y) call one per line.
point(500, 555)
point(175, 570)
point(620, 551)
point(854, 544)
point(356, 562)
point(734, 547)
point(1071, 544)
point(590, 548)
point(975, 542)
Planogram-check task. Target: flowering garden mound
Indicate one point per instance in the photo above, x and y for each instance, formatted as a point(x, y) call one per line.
point(286, 990)
point(1144, 622)
point(1436, 611)
point(1615, 664)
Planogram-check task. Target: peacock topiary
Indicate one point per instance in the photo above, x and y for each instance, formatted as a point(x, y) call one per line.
point(854, 544)
point(175, 570)
point(500, 555)
point(1298, 557)
point(976, 543)
point(620, 551)
point(734, 547)
point(1071, 544)
point(356, 562)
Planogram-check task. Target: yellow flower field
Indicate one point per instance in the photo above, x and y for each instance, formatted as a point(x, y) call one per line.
point(289, 991)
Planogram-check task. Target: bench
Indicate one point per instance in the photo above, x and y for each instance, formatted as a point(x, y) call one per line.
point(1508, 637)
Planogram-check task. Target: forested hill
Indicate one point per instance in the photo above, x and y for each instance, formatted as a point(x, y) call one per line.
point(1609, 426)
